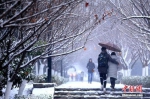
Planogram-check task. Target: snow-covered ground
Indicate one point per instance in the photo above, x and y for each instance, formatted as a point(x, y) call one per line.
point(86, 85)
point(50, 91)
point(47, 91)
point(35, 92)
point(14, 91)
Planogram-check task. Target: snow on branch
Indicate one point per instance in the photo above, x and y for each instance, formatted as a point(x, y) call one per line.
point(29, 62)
point(19, 52)
point(21, 19)
point(4, 13)
point(67, 3)
point(54, 55)
point(62, 39)
point(28, 24)
point(16, 15)
point(148, 17)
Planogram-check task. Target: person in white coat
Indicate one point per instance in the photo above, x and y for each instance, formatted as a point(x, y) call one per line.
point(112, 69)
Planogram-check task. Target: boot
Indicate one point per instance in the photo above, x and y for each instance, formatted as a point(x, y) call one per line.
point(102, 87)
point(104, 90)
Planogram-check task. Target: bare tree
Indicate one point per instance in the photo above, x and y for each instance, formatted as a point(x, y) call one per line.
point(134, 15)
point(35, 29)
point(145, 59)
point(91, 10)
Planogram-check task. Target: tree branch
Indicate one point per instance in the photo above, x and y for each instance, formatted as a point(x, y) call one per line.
point(148, 17)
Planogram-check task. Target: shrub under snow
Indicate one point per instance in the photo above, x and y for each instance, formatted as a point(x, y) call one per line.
point(42, 96)
point(137, 80)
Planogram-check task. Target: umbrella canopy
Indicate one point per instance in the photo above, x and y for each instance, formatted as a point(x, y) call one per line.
point(110, 46)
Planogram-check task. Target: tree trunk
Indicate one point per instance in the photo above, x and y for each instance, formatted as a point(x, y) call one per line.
point(144, 71)
point(46, 71)
point(23, 84)
point(122, 71)
point(49, 73)
point(129, 72)
point(52, 72)
point(41, 69)
point(8, 89)
point(125, 72)
point(36, 68)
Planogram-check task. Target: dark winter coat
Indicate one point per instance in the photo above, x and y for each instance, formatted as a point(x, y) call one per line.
point(90, 67)
point(104, 69)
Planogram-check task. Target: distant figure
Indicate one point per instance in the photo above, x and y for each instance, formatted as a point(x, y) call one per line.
point(71, 77)
point(81, 76)
point(77, 77)
point(74, 76)
point(90, 66)
point(103, 59)
point(112, 70)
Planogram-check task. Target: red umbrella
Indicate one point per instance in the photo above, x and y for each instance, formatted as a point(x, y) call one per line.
point(110, 46)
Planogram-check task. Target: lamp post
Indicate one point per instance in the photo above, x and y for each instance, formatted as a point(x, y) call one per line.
point(49, 69)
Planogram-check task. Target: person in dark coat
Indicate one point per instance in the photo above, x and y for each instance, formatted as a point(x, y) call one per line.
point(90, 66)
point(103, 70)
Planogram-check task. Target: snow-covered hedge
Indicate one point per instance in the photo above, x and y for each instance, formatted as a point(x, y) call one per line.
point(55, 79)
point(146, 82)
point(42, 96)
point(59, 80)
point(40, 79)
point(137, 80)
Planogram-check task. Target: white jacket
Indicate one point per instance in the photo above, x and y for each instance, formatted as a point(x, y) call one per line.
point(113, 68)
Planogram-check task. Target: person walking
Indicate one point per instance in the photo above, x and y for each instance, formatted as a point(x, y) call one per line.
point(90, 66)
point(71, 75)
point(103, 60)
point(82, 76)
point(113, 69)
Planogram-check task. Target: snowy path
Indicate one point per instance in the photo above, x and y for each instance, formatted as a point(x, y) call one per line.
point(50, 91)
point(86, 85)
point(38, 91)
point(80, 90)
